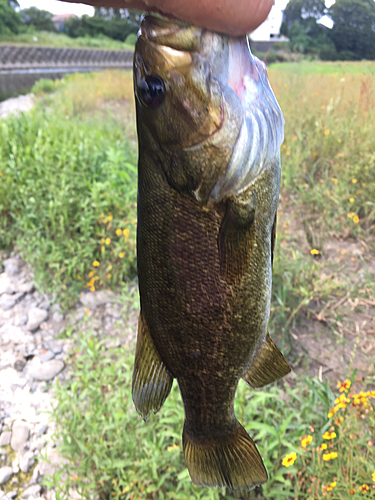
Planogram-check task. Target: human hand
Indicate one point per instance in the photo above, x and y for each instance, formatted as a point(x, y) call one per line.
point(234, 17)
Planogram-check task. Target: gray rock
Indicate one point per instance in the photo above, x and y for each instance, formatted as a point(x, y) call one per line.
point(13, 266)
point(10, 333)
point(53, 462)
point(20, 434)
point(15, 467)
point(10, 495)
point(48, 370)
point(20, 363)
point(5, 474)
point(114, 312)
point(22, 320)
point(94, 299)
point(36, 316)
point(55, 346)
point(47, 356)
point(35, 477)
point(5, 438)
point(26, 462)
point(32, 491)
point(25, 287)
point(7, 301)
point(45, 305)
point(6, 286)
point(42, 430)
point(57, 316)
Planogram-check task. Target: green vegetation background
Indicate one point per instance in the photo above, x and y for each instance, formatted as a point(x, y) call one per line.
point(68, 202)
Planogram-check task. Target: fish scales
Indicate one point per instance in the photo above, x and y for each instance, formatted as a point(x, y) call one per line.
point(209, 178)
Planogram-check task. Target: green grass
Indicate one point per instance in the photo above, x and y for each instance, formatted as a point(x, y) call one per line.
point(111, 452)
point(68, 190)
point(325, 68)
point(50, 39)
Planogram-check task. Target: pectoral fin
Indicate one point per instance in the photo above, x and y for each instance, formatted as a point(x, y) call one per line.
point(151, 380)
point(269, 365)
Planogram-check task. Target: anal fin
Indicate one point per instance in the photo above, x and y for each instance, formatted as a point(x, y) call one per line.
point(151, 380)
point(269, 366)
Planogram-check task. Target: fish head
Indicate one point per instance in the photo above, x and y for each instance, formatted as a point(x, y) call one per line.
point(196, 96)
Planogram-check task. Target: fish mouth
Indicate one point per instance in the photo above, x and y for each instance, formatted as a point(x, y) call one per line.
point(170, 33)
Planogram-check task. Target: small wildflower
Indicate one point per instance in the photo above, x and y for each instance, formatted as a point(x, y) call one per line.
point(331, 486)
point(351, 200)
point(108, 241)
point(364, 488)
point(333, 179)
point(351, 492)
point(121, 255)
point(109, 275)
point(96, 263)
point(126, 232)
point(329, 435)
point(351, 131)
point(344, 386)
point(338, 421)
point(373, 476)
point(354, 181)
point(326, 132)
point(87, 311)
point(323, 107)
point(284, 146)
point(289, 459)
point(329, 456)
point(118, 232)
point(314, 251)
point(343, 252)
point(352, 214)
point(339, 140)
point(288, 153)
point(102, 241)
point(363, 184)
point(91, 273)
point(356, 219)
point(92, 288)
point(305, 441)
point(323, 447)
point(173, 447)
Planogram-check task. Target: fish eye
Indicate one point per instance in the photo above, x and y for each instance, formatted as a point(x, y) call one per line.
point(151, 91)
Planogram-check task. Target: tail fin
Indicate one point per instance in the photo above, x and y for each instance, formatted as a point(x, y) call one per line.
point(234, 461)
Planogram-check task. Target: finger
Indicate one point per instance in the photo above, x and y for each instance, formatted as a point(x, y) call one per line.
point(235, 17)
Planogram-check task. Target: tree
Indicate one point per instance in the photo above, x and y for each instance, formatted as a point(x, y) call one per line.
point(353, 32)
point(305, 12)
point(10, 20)
point(41, 19)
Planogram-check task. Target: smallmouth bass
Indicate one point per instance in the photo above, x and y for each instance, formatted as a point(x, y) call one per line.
point(209, 132)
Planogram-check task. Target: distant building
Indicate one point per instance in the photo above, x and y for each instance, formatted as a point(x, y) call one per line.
point(60, 19)
point(269, 31)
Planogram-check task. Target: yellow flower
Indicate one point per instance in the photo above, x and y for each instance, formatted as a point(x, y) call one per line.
point(288, 153)
point(339, 140)
point(121, 255)
point(343, 252)
point(314, 251)
point(331, 486)
point(305, 441)
point(334, 180)
point(329, 435)
point(323, 447)
point(351, 200)
point(92, 289)
point(108, 241)
point(102, 241)
point(118, 232)
point(126, 232)
point(352, 214)
point(284, 146)
point(173, 447)
point(344, 386)
point(354, 181)
point(351, 492)
point(91, 273)
point(356, 219)
point(109, 275)
point(373, 476)
point(363, 184)
point(289, 459)
point(364, 488)
point(96, 263)
point(329, 456)
point(294, 138)
point(326, 132)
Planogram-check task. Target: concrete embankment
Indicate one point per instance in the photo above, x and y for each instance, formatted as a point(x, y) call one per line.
point(22, 66)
